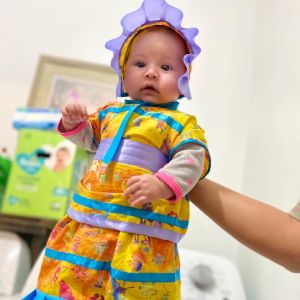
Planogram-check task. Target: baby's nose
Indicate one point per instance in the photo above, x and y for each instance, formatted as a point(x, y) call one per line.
point(151, 74)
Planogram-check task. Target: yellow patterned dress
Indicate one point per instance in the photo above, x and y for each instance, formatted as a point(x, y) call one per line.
point(104, 248)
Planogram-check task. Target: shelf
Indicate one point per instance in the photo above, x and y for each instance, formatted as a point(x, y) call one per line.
point(34, 231)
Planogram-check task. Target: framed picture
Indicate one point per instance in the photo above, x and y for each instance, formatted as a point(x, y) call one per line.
point(58, 81)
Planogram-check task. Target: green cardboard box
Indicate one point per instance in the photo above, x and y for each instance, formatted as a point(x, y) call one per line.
point(43, 176)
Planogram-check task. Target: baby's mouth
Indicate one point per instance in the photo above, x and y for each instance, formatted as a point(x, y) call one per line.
point(149, 87)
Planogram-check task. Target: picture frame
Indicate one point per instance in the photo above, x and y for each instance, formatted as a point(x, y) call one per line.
point(59, 80)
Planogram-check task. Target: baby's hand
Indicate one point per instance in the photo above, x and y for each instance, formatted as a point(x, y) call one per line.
point(146, 188)
point(73, 114)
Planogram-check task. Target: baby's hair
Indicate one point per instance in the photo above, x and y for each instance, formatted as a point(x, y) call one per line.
point(169, 30)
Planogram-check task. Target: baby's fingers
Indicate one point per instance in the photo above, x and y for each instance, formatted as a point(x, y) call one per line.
point(133, 179)
point(139, 201)
point(82, 111)
point(132, 189)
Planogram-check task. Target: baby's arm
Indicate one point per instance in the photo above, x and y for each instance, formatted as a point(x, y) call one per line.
point(171, 182)
point(76, 126)
point(72, 115)
point(184, 170)
point(146, 188)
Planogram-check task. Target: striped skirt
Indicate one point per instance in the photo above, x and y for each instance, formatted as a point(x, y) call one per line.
point(84, 261)
point(87, 262)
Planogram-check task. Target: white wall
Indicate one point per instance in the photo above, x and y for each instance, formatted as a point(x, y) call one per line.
point(221, 85)
point(272, 164)
point(226, 94)
point(79, 29)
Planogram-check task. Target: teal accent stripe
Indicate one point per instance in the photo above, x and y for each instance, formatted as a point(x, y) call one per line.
point(185, 142)
point(78, 260)
point(111, 152)
point(94, 141)
point(169, 120)
point(38, 295)
point(106, 266)
point(173, 105)
point(117, 110)
point(195, 142)
point(129, 211)
point(145, 277)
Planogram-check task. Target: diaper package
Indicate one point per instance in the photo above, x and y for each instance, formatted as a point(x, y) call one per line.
point(43, 174)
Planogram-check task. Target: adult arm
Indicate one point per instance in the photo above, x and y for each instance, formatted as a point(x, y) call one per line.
point(261, 227)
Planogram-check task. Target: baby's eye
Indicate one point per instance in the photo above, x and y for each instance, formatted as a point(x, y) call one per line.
point(166, 67)
point(140, 64)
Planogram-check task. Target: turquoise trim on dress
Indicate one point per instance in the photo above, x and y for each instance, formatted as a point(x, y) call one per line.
point(173, 150)
point(106, 266)
point(108, 157)
point(173, 105)
point(102, 113)
point(38, 295)
point(168, 119)
point(128, 211)
point(185, 142)
point(78, 260)
point(95, 142)
point(145, 277)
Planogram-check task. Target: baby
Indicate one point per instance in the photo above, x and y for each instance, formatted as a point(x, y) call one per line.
point(119, 238)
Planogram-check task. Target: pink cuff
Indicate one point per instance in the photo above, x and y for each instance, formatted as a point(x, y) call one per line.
point(171, 183)
point(77, 129)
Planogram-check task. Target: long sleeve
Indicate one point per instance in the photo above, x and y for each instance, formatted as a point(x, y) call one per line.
point(87, 134)
point(82, 135)
point(184, 170)
point(189, 158)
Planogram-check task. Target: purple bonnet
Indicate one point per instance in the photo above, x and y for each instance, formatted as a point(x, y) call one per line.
point(153, 12)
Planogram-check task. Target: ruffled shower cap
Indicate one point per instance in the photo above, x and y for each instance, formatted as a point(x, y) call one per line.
point(152, 13)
